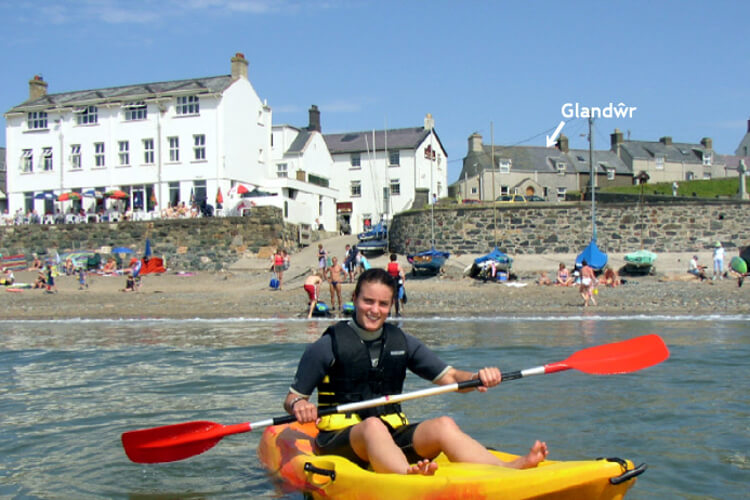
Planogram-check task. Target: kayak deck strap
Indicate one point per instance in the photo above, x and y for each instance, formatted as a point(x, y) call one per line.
point(627, 474)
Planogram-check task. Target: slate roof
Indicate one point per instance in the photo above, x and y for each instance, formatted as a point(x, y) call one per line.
point(676, 152)
point(360, 142)
point(127, 93)
point(299, 142)
point(540, 159)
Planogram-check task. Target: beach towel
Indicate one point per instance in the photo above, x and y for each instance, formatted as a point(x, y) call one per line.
point(14, 262)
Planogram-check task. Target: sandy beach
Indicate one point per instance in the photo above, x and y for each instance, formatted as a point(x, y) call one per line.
point(243, 291)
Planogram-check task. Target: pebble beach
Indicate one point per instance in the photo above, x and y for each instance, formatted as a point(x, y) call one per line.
point(243, 291)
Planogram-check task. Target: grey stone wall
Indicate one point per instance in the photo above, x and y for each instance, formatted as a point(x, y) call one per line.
point(666, 225)
point(188, 244)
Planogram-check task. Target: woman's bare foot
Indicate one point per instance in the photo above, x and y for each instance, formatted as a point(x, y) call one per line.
point(423, 467)
point(536, 454)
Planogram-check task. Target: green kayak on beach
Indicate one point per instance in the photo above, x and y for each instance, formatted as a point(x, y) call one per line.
point(738, 264)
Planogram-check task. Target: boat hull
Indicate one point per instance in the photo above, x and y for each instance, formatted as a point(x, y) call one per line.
point(430, 261)
point(372, 247)
point(287, 452)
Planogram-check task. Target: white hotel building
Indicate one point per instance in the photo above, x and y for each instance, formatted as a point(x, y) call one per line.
point(169, 142)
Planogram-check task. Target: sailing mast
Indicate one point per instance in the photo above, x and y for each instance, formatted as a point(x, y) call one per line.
point(593, 179)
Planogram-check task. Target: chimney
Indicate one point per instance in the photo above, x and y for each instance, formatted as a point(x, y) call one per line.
point(239, 66)
point(707, 143)
point(748, 126)
point(615, 140)
point(475, 143)
point(314, 119)
point(37, 88)
point(666, 140)
point(562, 143)
point(429, 122)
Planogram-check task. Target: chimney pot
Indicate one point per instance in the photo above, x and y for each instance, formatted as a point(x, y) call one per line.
point(666, 140)
point(615, 140)
point(429, 122)
point(314, 122)
point(37, 88)
point(562, 143)
point(707, 143)
point(475, 143)
point(239, 66)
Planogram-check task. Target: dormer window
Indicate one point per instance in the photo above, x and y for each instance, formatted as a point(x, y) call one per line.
point(561, 167)
point(37, 120)
point(135, 111)
point(86, 115)
point(707, 156)
point(188, 105)
point(659, 163)
point(504, 166)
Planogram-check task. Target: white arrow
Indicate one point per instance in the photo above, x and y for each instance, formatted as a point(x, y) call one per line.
point(551, 140)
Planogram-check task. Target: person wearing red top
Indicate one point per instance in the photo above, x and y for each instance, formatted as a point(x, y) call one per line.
point(398, 275)
point(278, 266)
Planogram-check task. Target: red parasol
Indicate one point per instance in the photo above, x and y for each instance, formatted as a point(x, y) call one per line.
point(70, 196)
point(117, 194)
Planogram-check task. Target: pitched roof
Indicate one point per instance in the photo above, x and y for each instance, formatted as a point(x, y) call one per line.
point(127, 93)
point(300, 142)
point(674, 153)
point(354, 142)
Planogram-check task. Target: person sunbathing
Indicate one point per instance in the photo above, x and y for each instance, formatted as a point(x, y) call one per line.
point(563, 276)
point(611, 278)
point(110, 267)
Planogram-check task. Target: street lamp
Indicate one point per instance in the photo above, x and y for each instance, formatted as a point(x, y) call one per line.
point(642, 179)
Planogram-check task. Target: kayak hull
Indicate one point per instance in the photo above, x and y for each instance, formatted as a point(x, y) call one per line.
point(287, 452)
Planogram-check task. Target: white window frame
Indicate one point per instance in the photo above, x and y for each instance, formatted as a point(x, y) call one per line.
point(394, 158)
point(355, 189)
point(707, 159)
point(100, 160)
point(123, 153)
point(707, 176)
point(36, 120)
point(47, 163)
point(174, 148)
point(561, 191)
point(75, 157)
point(561, 166)
point(148, 151)
point(504, 166)
point(611, 174)
point(659, 163)
point(395, 187)
point(504, 190)
point(87, 115)
point(355, 160)
point(135, 111)
point(188, 105)
point(27, 161)
point(199, 147)
point(282, 170)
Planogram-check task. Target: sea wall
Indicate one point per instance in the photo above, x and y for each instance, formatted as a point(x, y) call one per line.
point(189, 244)
point(661, 225)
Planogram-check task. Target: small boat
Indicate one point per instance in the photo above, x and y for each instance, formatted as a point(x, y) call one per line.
point(482, 266)
point(594, 257)
point(639, 262)
point(378, 232)
point(287, 452)
point(429, 261)
point(372, 247)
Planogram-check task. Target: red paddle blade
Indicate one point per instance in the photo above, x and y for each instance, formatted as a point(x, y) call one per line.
point(620, 357)
point(170, 443)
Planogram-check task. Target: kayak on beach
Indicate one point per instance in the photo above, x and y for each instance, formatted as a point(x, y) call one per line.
point(287, 451)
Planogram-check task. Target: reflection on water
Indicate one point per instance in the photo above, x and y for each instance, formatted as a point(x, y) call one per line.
point(71, 388)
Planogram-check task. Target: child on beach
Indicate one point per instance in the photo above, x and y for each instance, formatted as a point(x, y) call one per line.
point(312, 287)
point(82, 283)
point(51, 287)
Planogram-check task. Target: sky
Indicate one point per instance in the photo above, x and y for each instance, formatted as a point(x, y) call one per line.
point(502, 69)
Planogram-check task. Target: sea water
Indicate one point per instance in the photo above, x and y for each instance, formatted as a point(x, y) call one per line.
point(71, 388)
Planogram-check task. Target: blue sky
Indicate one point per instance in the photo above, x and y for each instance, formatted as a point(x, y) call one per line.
point(370, 64)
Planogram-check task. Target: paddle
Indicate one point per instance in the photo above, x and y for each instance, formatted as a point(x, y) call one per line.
point(170, 443)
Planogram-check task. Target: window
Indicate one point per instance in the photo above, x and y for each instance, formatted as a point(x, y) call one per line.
point(356, 189)
point(394, 158)
point(174, 148)
point(282, 170)
point(474, 190)
point(86, 115)
point(707, 157)
point(37, 120)
point(99, 154)
point(660, 163)
point(504, 166)
point(561, 193)
point(75, 156)
point(124, 154)
point(174, 194)
point(135, 111)
point(317, 180)
point(148, 151)
point(199, 188)
point(27, 160)
point(611, 174)
point(47, 159)
point(261, 158)
point(386, 193)
point(320, 205)
point(561, 167)
point(395, 187)
point(199, 147)
point(356, 160)
point(707, 175)
point(188, 105)
point(504, 190)
point(689, 176)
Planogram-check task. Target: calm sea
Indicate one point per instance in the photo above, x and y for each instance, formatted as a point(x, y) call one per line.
point(70, 388)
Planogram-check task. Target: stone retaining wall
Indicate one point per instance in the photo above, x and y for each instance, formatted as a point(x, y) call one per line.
point(664, 225)
point(189, 244)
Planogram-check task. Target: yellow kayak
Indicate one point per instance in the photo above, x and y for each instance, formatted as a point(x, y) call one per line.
point(287, 452)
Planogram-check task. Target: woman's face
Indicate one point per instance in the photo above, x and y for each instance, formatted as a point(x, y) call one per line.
point(373, 305)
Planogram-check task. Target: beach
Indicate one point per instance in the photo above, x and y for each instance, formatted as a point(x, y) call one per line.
point(243, 291)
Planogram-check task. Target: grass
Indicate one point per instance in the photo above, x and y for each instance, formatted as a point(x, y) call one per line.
point(711, 188)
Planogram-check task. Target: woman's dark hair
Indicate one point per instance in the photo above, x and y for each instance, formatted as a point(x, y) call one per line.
point(375, 275)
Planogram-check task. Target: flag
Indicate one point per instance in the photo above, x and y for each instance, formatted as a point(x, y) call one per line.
point(219, 197)
point(153, 198)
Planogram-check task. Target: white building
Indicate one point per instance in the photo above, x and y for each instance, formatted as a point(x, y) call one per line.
point(377, 173)
point(162, 143)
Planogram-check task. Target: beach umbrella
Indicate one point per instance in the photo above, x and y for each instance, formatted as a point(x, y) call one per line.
point(92, 193)
point(116, 194)
point(70, 196)
point(121, 250)
point(239, 189)
point(219, 197)
point(45, 196)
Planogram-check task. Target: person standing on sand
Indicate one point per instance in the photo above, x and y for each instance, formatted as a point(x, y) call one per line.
point(588, 283)
point(312, 287)
point(51, 287)
point(322, 260)
point(718, 261)
point(364, 358)
point(397, 273)
point(335, 273)
point(278, 266)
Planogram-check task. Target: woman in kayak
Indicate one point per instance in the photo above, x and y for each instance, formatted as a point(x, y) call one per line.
point(365, 358)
